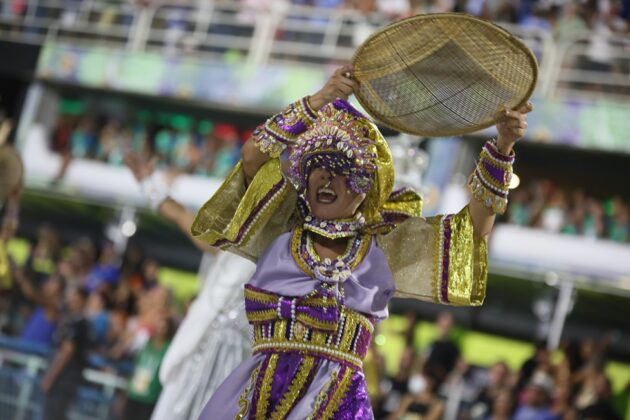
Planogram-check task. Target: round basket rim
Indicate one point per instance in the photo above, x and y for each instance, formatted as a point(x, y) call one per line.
point(507, 36)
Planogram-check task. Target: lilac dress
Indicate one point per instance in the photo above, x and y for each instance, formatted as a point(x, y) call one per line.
point(284, 381)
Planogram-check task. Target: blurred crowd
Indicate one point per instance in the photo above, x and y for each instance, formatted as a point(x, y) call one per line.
point(562, 17)
point(84, 307)
point(574, 387)
point(571, 211)
point(175, 141)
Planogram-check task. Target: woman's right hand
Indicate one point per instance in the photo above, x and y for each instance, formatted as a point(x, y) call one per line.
point(340, 85)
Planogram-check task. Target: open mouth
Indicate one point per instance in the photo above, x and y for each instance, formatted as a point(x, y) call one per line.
point(326, 195)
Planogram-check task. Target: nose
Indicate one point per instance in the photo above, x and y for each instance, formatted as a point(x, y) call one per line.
point(326, 176)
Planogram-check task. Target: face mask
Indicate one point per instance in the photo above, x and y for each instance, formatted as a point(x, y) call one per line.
point(417, 384)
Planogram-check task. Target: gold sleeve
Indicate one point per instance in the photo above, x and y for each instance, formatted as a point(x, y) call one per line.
point(437, 259)
point(246, 219)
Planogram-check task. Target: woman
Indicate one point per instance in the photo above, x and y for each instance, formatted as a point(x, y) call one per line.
point(333, 244)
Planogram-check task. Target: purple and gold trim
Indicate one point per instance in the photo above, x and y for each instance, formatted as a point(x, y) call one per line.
point(262, 389)
point(490, 181)
point(443, 259)
point(317, 311)
point(282, 129)
point(328, 401)
point(320, 327)
point(308, 260)
point(261, 209)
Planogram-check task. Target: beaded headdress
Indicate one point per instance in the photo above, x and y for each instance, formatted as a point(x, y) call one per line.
point(339, 142)
point(346, 142)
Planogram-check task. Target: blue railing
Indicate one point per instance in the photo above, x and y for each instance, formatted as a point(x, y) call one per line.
point(22, 365)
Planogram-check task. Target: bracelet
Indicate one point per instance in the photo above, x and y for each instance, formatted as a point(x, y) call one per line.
point(489, 183)
point(282, 129)
point(155, 190)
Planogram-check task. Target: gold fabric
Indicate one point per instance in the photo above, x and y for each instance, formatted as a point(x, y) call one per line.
point(232, 218)
point(340, 344)
point(442, 74)
point(412, 251)
point(265, 388)
point(412, 247)
point(383, 179)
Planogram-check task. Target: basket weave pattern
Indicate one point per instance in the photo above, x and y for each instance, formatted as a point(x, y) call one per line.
point(442, 74)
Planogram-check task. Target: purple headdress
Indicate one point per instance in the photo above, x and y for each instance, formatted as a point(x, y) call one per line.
point(339, 141)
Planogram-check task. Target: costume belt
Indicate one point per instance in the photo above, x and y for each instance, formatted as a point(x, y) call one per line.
point(315, 324)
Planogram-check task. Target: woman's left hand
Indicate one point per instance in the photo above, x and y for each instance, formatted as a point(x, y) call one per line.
point(512, 127)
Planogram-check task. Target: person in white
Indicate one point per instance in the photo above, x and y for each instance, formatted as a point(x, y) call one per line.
point(214, 336)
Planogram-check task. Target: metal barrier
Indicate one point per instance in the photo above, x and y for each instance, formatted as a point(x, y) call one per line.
point(20, 395)
point(593, 65)
point(281, 32)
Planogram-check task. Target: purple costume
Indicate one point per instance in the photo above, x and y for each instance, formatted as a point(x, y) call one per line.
point(313, 317)
point(324, 378)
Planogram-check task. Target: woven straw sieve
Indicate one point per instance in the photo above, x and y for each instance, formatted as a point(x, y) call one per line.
point(442, 74)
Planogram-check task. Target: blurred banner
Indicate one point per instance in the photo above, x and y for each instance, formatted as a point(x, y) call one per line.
point(601, 124)
point(228, 83)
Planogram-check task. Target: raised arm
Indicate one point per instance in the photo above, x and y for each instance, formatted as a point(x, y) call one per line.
point(280, 129)
point(163, 204)
point(511, 128)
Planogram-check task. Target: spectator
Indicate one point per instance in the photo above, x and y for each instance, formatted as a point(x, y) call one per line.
point(44, 255)
point(537, 399)
point(601, 407)
point(228, 152)
point(62, 134)
point(65, 372)
point(77, 266)
point(144, 386)
point(539, 361)
point(580, 215)
point(150, 270)
point(396, 387)
point(444, 353)
point(106, 273)
point(497, 381)
point(422, 399)
point(503, 405)
point(97, 315)
point(519, 212)
point(593, 225)
point(552, 218)
point(83, 140)
point(109, 145)
point(570, 24)
point(619, 225)
point(42, 324)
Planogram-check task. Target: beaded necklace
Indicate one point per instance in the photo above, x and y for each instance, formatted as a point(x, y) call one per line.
point(327, 270)
point(337, 228)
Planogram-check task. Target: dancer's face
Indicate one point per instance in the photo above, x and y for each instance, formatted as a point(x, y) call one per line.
point(329, 195)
